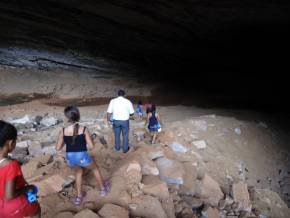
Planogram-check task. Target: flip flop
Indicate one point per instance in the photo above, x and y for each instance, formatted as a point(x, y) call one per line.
point(106, 188)
point(78, 200)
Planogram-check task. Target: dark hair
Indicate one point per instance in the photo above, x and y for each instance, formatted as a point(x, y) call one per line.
point(153, 108)
point(121, 92)
point(73, 115)
point(7, 132)
point(140, 102)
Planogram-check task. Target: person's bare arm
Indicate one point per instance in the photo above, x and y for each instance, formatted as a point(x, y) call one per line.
point(147, 119)
point(108, 117)
point(60, 142)
point(89, 140)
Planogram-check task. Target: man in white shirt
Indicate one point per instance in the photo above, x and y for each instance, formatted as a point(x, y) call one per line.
point(120, 109)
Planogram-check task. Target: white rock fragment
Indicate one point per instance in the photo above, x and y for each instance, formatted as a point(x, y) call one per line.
point(238, 131)
point(200, 144)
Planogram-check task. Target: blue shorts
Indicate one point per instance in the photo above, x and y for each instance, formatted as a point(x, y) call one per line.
point(154, 128)
point(80, 159)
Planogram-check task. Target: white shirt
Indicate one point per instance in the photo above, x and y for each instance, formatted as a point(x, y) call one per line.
point(121, 108)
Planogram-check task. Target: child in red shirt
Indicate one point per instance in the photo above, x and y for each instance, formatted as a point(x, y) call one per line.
point(13, 202)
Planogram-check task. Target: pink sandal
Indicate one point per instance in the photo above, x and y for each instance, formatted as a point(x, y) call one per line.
point(78, 200)
point(106, 188)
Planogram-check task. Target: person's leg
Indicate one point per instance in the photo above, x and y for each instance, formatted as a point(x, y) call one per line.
point(154, 137)
point(79, 174)
point(117, 132)
point(93, 166)
point(125, 134)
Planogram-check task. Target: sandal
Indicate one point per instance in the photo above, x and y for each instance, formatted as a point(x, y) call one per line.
point(78, 200)
point(106, 188)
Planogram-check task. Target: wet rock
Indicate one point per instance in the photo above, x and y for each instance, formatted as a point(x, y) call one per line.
point(200, 144)
point(241, 196)
point(209, 191)
point(269, 204)
point(49, 121)
point(86, 213)
point(177, 147)
point(113, 211)
point(171, 171)
point(147, 207)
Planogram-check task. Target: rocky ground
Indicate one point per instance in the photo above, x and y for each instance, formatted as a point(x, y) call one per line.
point(203, 165)
point(206, 163)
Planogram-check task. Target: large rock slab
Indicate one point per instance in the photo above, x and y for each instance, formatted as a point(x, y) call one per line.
point(177, 147)
point(209, 191)
point(171, 171)
point(269, 204)
point(86, 214)
point(113, 211)
point(147, 207)
point(50, 185)
point(29, 169)
point(241, 197)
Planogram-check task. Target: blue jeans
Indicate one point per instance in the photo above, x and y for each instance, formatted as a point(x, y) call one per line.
point(121, 126)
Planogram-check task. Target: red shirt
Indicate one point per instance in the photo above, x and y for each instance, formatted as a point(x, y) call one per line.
point(9, 172)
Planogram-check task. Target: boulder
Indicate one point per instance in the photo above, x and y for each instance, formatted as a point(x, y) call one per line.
point(177, 147)
point(211, 213)
point(50, 185)
point(209, 191)
point(148, 166)
point(86, 213)
point(190, 177)
point(146, 206)
point(44, 159)
point(37, 119)
point(65, 214)
point(133, 179)
point(139, 134)
point(269, 204)
point(241, 197)
point(35, 148)
point(49, 150)
point(157, 189)
point(23, 144)
point(30, 168)
point(48, 121)
point(24, 120)
point(20, 154)
point(151, 152)
point(171, 171)
point(113, 211)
